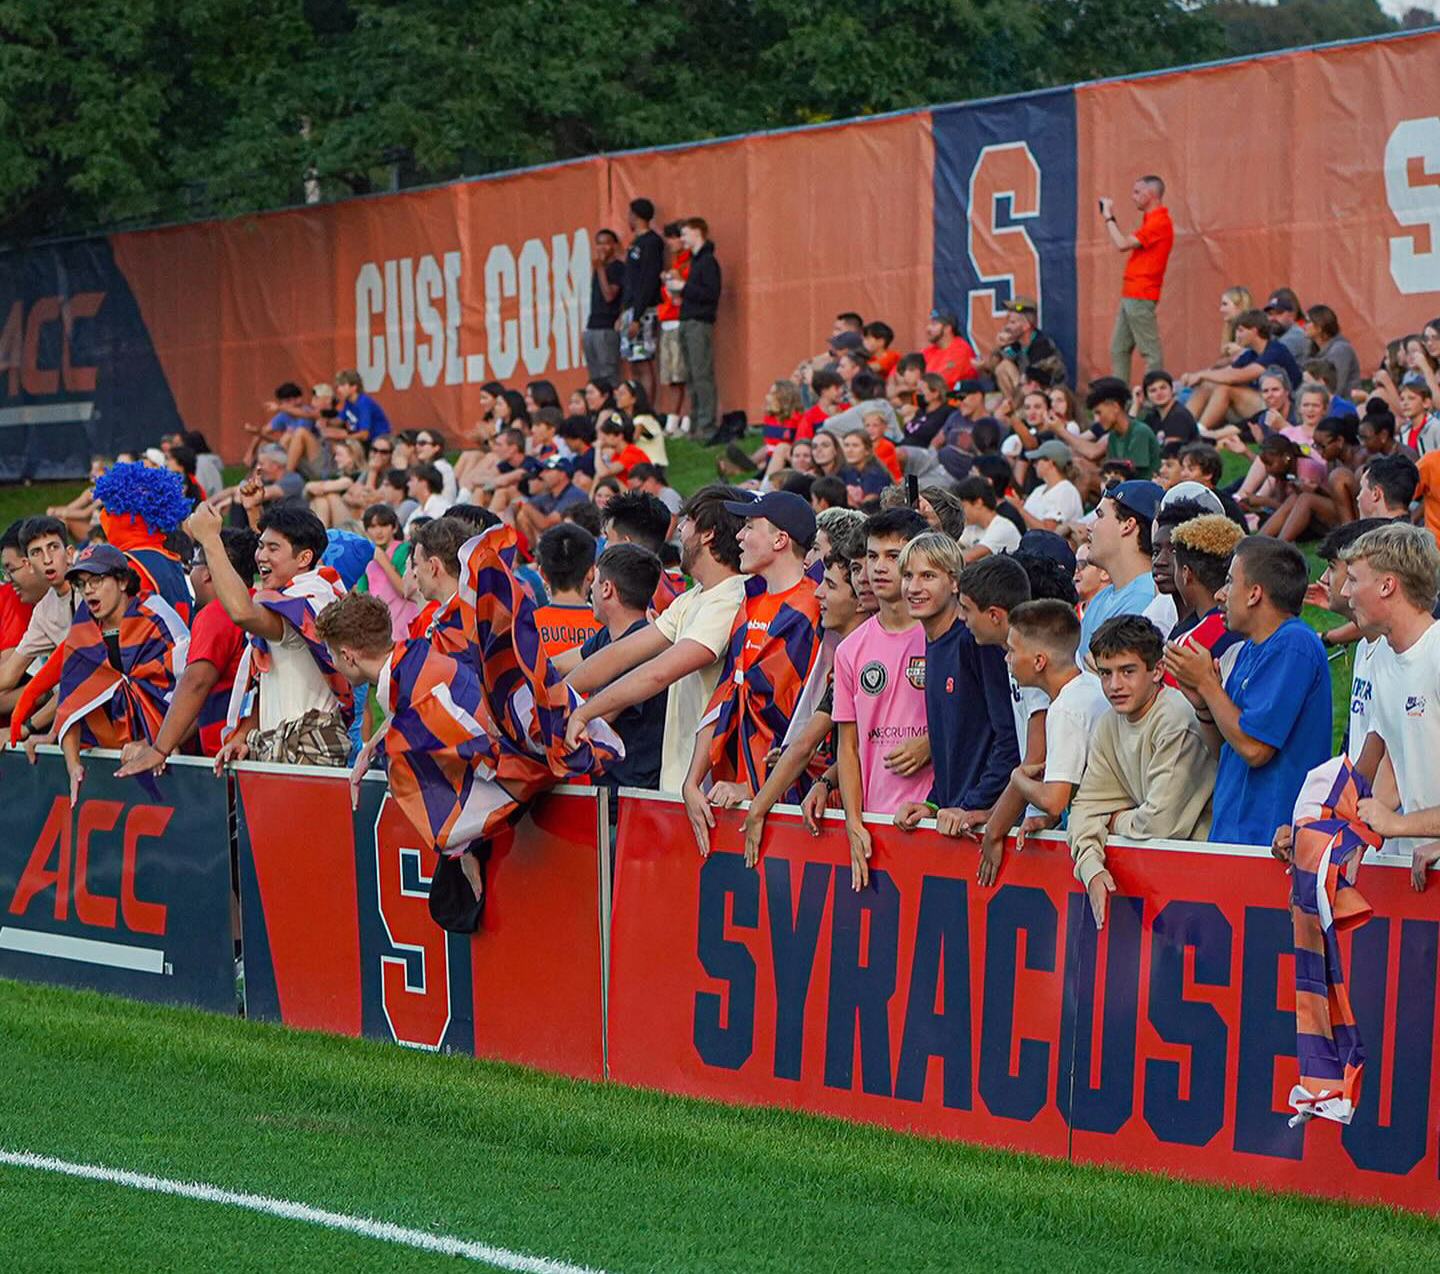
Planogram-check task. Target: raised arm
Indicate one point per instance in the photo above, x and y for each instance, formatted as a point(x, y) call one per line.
point(203, 527)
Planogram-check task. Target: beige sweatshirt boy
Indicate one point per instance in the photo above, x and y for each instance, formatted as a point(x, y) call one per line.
point(1157, 770)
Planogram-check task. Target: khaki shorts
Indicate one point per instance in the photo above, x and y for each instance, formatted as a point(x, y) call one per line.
point(672, 357)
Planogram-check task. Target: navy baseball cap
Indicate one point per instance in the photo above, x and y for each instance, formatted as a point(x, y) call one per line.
point(847, 342)
point(1138, 496)
point(1048, 544)
point(785, 509)
point(100, 559)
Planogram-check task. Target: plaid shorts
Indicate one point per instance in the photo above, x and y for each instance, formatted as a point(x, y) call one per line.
point(316, 738)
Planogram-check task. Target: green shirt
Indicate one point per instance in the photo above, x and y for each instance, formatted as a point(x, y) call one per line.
point(1138, 445)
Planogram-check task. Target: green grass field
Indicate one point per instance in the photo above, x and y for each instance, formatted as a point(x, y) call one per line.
point(589, 1174)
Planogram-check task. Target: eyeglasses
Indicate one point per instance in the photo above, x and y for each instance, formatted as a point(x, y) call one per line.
point(383, 451)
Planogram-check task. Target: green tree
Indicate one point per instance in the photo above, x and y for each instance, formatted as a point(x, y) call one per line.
point(1252, 27)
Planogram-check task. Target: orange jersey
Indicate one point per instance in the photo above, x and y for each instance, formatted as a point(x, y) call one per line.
point(563, 626)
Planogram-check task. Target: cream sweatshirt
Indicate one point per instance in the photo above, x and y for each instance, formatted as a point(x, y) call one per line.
point(1157, 770)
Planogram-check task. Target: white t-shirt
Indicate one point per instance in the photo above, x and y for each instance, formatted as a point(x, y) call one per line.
point(706, 616)
point(1162, 613)
point(1073, 716)
point(1361, 695)
point(1060, 503)
point(999, 537)
point(1025, 701)
point(293, 684)
point(434, 507)
point(447, 475)
point(1405, 712)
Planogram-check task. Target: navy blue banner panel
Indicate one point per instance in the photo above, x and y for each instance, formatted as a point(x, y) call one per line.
point(1005, 213)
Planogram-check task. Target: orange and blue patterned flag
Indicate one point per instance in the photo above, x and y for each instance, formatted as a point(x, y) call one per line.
point(114, 706)
point(528, 701)
point(773, 646)
point(1329, 842)
point(304, 598)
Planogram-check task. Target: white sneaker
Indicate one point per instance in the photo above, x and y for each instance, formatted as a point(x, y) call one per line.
point(672, 425)
point(684, 424)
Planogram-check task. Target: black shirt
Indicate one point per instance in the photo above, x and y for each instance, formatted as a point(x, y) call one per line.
point(641, 728)
point(924, 425)
point(701, 297)
point(644, 260)
point(1177, 425)
point(603, 313)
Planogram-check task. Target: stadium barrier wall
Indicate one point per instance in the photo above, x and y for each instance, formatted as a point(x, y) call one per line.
point(338, 935)
point(1313, 168)
point(1165, 1042)
point(128, 891)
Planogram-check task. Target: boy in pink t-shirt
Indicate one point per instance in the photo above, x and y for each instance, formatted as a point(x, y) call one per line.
point(884, 746)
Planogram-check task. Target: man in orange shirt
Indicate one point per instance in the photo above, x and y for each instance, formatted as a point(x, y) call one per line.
point(672, 356)
point(1428, 491)
point(566, 556)
point(948, 354)
point(1149, 251)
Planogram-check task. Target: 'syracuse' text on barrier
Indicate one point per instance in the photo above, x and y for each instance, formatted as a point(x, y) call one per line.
point(1165, 1042)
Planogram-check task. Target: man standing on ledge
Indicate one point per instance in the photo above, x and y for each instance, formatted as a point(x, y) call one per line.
point(1149, 249)
point(699, 300)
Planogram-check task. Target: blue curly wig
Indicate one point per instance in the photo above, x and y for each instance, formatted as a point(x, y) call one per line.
point(155, 496)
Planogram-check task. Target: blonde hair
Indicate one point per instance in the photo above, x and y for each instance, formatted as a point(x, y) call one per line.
point(836, 522)
point(1242, 300)
point(1406, 552)
point(938, 549)
point(1211, 533)
point(787, 399)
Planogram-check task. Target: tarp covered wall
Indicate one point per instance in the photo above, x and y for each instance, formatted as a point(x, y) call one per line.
point(1319, 169)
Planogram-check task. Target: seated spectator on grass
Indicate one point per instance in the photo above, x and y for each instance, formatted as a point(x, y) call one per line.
point(885, 452)
point(841, 614)
point(1323, 329)
point(202, 696)
point(1023, 351)
point(1121, 539)
point(384, 575)
point(425, 485)
point(1269, 721)
point(1319, 372)
point(360, 415)
point(566, 557)
point(538, 513)
point(867, 395)
point(1169, 472)
point(783, 411)
point(986, 531)
point(829, 392)
point(638, 518)
point(1125, 439)
point(1337, 443)
point(576, 442)
point(1387, 486)
point(947, 354)
point(649, 480)
point(1378, 432)
point(1056, 499)
point(270, 486)
point(625, 579)
point(968, 715)
point(1150, 773)
point(879, 701)
point(1419, 425)
point(1167, 416)
point(1283, 309)
point(1041, 646)
point(513, 472)
point(863, 475)
point(928, 426)
point(1225, 391)
point(617, 450)
point(302, 706)
point(1392, 574)
point(430, 450)
point(633, 403)
point(682, 650)
point(878, 338)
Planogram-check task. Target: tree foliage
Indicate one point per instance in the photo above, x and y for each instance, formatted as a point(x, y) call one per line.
point(118, 112)
point(1252, 26)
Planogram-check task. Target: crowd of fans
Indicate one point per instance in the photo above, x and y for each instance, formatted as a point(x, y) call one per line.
point(942, 584)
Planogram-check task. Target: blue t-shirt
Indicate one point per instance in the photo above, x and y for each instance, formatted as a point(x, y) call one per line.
point(1282, 688)
point(547, 503)
point(872, 479)
point(283, 422)
point(970, 720)
point(363, 415)
point(1111, 601)
point(1274, 355)
point(641, 728)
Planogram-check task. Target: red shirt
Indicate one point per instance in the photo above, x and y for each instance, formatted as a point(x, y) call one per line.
point(672, 584)
point(217, 640)
point(14, 617)
point(886, 454)
point(1145, 266)
point(885, 362)
point(669, 308)
point(628, 458)
point(810, 421)
point(955, 361)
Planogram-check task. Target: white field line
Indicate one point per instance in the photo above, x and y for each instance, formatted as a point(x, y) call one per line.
point(442, 1243)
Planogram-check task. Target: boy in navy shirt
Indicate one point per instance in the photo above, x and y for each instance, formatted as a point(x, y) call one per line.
point(1236, 388)
point(967, 696)
point(1269, 724)
point(359, 413)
